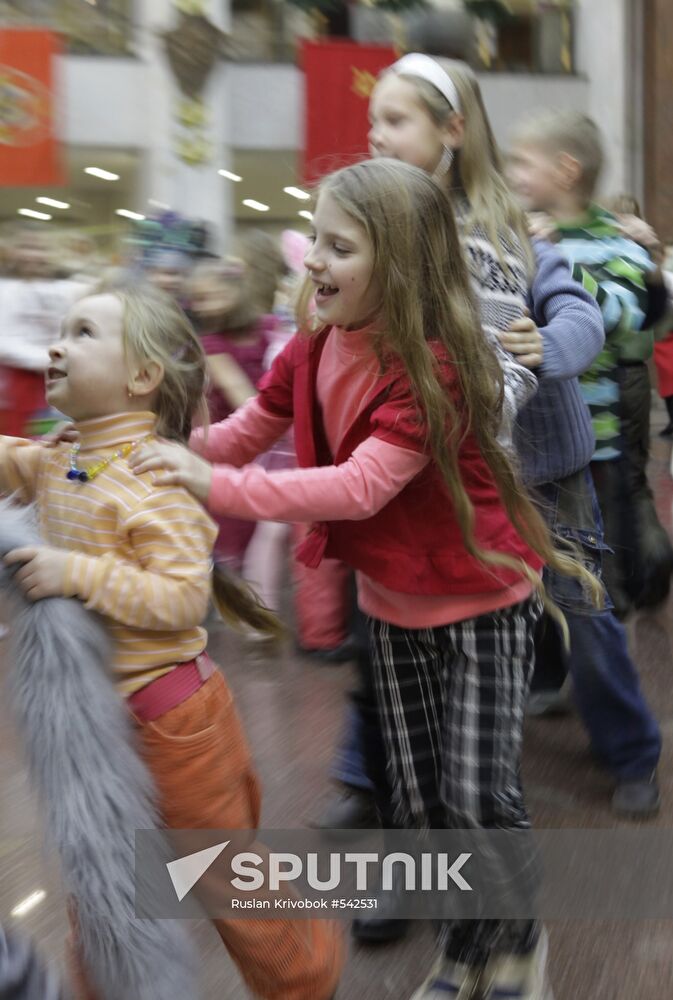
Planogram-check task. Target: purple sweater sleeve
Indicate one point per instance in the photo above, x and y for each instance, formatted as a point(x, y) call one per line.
point(567, 316)
point(554, 437)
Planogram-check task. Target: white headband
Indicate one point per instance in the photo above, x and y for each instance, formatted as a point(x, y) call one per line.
point(416, 64)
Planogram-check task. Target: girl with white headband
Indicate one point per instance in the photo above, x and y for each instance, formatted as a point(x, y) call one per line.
point(430, 113)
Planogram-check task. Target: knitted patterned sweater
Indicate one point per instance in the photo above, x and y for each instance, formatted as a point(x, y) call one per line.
point(549, 431)
point(500, 284)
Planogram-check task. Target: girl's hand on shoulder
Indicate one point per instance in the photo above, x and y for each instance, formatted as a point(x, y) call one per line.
point(642, 233)
point(542, 227)
point(42, 573)
point(524, 341)
point(177, 465)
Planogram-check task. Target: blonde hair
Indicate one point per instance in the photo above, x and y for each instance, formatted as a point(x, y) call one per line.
point(426, 299)
point(155, 329)
point(478, 163)
point(557, 131)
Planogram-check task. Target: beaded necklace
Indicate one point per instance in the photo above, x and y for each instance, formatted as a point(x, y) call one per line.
point(75, 474)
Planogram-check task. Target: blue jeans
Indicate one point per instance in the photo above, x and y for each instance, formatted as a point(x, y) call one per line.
point(360, 760)
point(623, 731)
point(348, 764)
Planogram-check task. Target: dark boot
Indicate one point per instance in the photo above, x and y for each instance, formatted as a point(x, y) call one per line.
point(386, 926)
point(638, 799)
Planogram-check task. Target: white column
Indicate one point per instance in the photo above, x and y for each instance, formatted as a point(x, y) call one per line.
point(194, 191)
point(604, 53)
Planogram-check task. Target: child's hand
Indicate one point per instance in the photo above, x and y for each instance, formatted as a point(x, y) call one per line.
point(63, 432)
point(524, 341)
point(542, 227)
point(178, 465)
point(641, 232)
point(42, 573)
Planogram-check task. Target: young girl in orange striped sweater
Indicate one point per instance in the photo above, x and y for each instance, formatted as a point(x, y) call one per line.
point(128, 366)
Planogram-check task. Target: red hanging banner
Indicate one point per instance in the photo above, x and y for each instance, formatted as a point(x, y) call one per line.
point(29, 150)
point(339, 78)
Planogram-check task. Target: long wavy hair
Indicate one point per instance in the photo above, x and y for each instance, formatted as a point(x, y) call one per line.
point(426, 300)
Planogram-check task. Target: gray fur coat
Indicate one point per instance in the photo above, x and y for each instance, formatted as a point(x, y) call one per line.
point(95, 789)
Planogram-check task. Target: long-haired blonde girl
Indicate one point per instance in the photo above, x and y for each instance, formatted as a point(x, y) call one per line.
point(395, 403)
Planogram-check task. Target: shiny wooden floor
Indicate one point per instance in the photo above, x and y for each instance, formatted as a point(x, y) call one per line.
point(293, 711)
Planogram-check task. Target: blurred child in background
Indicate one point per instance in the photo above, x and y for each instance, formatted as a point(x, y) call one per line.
point(627, 211)
point(323, 601)
point(273, 283)
point(555, 163)
point(32, 302)
point(235, 335)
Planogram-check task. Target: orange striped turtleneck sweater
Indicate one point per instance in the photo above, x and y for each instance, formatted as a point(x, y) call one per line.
point(139, 554)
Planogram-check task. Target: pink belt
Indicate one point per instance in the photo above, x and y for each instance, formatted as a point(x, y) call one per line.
point(171, 689)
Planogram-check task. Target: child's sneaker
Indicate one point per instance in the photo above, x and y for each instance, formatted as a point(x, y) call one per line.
point(518, 977)
point(451, 980)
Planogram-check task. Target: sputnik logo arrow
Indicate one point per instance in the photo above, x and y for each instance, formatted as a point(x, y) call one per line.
point(186, 872)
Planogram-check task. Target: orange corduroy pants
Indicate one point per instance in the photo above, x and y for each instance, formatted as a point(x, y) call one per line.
point(202, 769)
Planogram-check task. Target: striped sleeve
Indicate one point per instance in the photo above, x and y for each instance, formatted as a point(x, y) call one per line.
point(20, 462)
point(164, 583)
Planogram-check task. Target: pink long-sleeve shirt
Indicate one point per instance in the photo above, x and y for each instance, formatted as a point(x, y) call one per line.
point(355, 490)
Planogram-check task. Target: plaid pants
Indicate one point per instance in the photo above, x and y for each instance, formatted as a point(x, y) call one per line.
point(451, 702)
